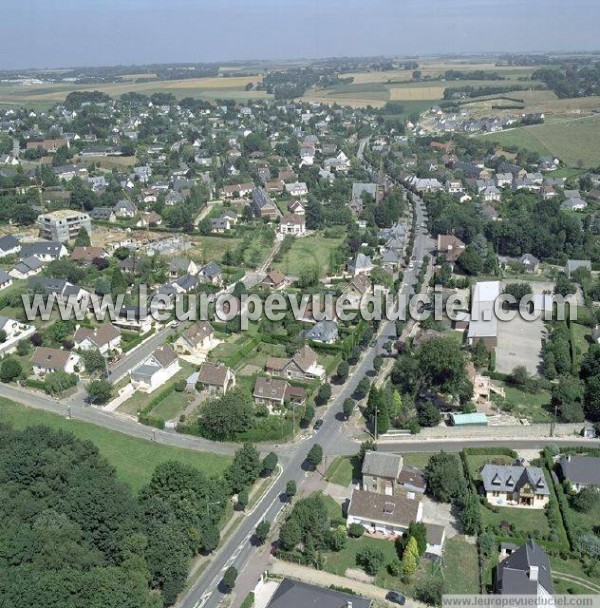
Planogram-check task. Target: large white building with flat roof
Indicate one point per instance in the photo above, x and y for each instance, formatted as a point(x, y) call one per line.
point(483, 325)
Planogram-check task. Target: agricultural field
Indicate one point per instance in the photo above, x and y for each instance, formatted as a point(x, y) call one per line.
point(573, 140)
point(310, 251)
point(45, 95)
point(134, 459)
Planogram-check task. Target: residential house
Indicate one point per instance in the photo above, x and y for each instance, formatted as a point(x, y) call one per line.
point(573, 204)
point(212, 273)
point(512, 486)
point(580, 471)
point(450, 246)
point(5, 279)
point(87, 255)
point(155, 370)
point(47, 360)
point(275, 279)
point(295, 594)
point(180, 266)
point(262, 204)
point(358, 287)
point(526, 571)
point(325, 331)
point(216, 377)
point(197, 340)
point(491, 194)
point(149, 219)
point(297, 208)
point(386, 473)
point(530, 263)
point(296, 189)
point(302, 366)
point(274, 393)
point(292, 224)
point(106, 338)
point(361, 264)
point(61, 288)
point(237, 190)
point(105, 214)
point(44, 252)
point(125, 209)
point(384, 514)
point(9, 245)
point(26, 268)
point(134, 318)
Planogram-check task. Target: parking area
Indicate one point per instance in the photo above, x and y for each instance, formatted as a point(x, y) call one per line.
point(520, 341)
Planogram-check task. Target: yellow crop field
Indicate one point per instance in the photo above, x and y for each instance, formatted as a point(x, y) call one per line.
point(235, 82)
point(419, 93)
point(369, 77)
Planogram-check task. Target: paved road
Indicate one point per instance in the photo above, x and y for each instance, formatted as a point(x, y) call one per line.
point(455, 445)
point(238, 549)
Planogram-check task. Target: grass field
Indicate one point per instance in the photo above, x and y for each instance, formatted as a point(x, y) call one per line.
point(134, 459)
point(525, 405)
point(202, 88)
point(310, 251)
point(343, 470)
point(460, 567)
point(207, 248)
point(524, 520)
point(573, 140)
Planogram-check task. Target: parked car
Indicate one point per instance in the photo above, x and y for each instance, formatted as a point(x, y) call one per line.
point(318, 424)
point(396, 598)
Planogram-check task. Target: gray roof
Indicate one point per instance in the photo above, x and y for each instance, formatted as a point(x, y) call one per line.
point(8, 242)
point(381, 464)
point(581, 469)
point(211, 270)
point(41, 248)
point(323, 331)
point(516, 574)
point(294, 594)
point(500, 478)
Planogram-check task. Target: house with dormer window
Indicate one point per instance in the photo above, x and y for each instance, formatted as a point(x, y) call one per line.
point(515, 486)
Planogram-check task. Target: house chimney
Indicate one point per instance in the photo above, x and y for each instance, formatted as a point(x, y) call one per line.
point(533, 573)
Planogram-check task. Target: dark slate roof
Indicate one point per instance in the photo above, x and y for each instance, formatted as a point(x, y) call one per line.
point(581, 469)
point(294, 594)
point(211, 270)
point(516, 573)
point(500, 478)
point(8, 242)
point(40, 248)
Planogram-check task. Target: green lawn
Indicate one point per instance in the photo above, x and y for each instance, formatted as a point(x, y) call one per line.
point(134, 459)
point(524, 520)
point(525, 405)
point(139, 400)
point(172, 406)
point(312, 251)
point(580, 335)
point(338, 563)
point(334, 508)
point(419, 460)
point(573, 140)
point(460, 567)
point(343, 470)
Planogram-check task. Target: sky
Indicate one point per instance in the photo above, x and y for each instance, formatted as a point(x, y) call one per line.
point(68, 33)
